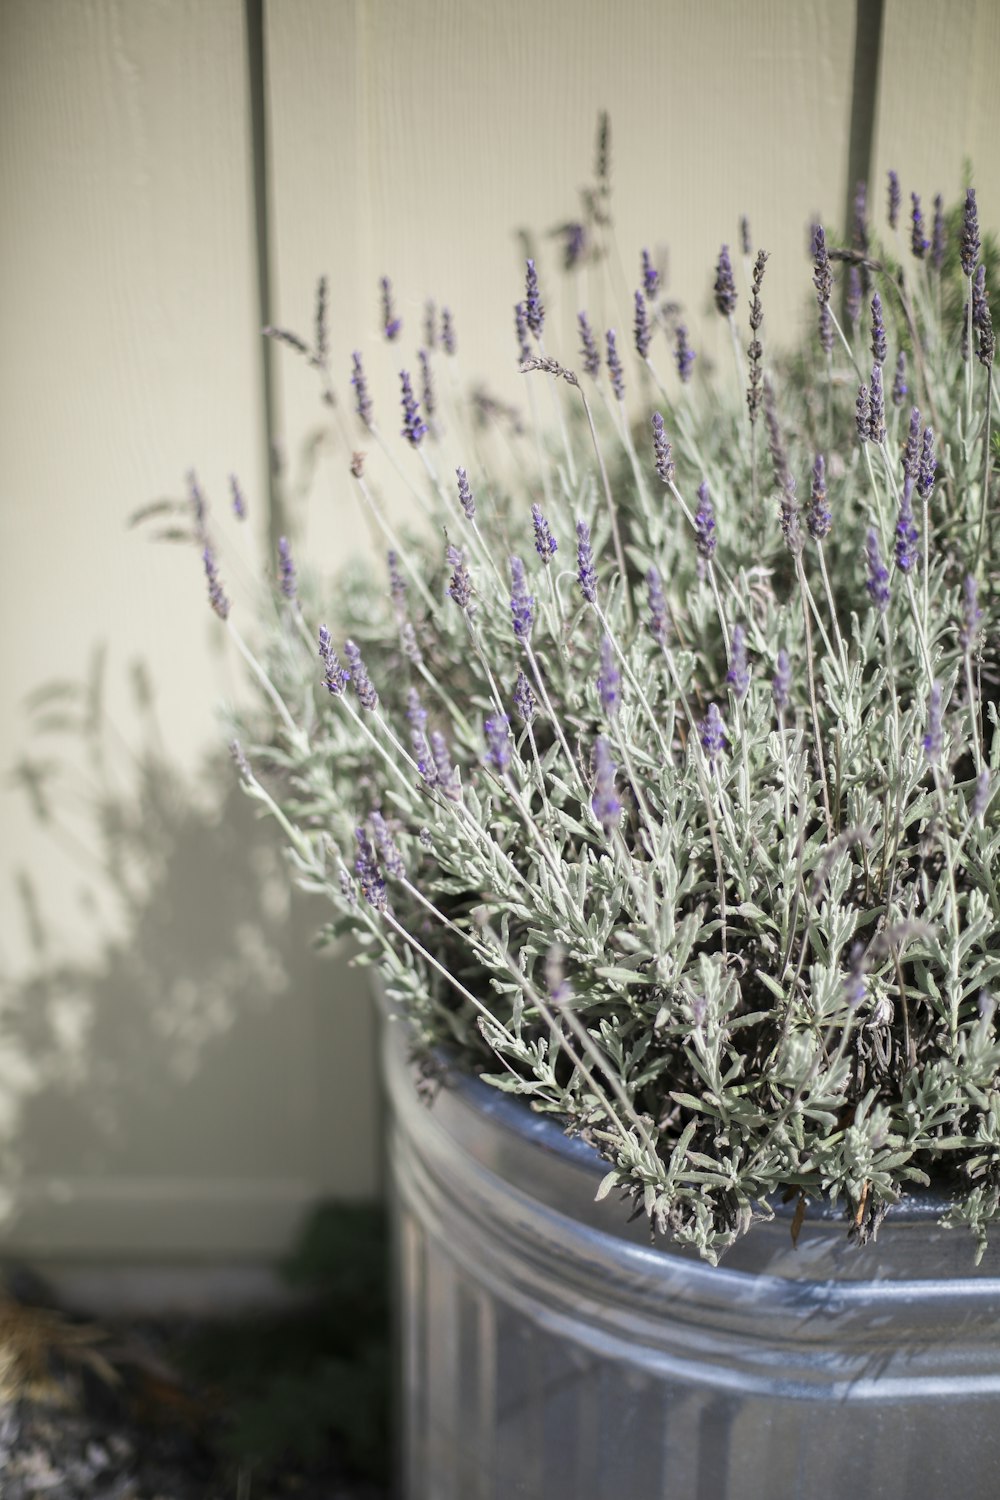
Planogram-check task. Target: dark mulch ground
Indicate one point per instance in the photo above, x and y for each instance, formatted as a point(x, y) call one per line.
point(262, 1408)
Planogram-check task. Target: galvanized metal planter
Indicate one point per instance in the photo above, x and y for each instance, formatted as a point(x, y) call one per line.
point(548, 1351)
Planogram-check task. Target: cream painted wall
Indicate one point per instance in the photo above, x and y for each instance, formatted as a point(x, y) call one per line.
point(178, 1075)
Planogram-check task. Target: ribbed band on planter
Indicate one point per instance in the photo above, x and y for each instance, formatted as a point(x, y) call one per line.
point(549, 1351)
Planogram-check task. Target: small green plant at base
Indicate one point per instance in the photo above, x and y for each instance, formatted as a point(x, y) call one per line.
point(660, 778)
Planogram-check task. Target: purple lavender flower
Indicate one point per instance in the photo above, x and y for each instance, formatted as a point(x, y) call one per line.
point(585, 570)
point(426, 384)
point(643, 332)
point(657, 606)
point(919, 243)
point(684, 355)
point(934, 738)
point(907, 535)
point(878, 574)
point(460, 583)
point(238, 498)
point(414, 428)
point(965, 332)
point(928, 465)
point(448, 341)
point(978, 295)
point(712, 732)
point(981, 797)
point(911, 452)
point(704, 524)
point(609, 680)
point(894, 199)
point(416, 717)
point(606, 805)
point(781, 682)
point(368, 872)
point(430, 324)
point(746, 244)
point(196, 498)
point(445, 774)
point(738, 675)
point(900, 390)
point(497, 734)
point(545, 543)
point(574, 237)
point(521, 333)
point(650, 276)
point(986, 341)
point(938, 234)
point(971, 614)
point(534, 312)
point(392, 860)
point(362, 397)
point(335, 679)
point(363, 684)
point(863, 413)
point(819, 518)
point(216, 593)
point(465, 496)
point(524, 698)
point(823, 282)
point(876, 418)
point(970, 243)
point(588, 346)
point(391, 325)
point(410, 644)
point(852, 302)
point(725, 286)
point(662, 450)
point(522, 604)
point(879, 349)
point(286, 568)
point(615, 366)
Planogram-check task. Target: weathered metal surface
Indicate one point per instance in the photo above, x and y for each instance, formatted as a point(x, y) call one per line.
point(548, 1350)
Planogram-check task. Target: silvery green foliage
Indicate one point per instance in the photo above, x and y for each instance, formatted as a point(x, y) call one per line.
point(706, 865)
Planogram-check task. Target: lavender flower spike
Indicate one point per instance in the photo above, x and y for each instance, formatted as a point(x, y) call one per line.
point(919, 243)
point(522, 604)
point(216, 593)
point(781, 682)
point(971, 614)
point(465, 496)
point(445, 774)
point(971, 243)
point(876, 416)
point(894, 199)
point(460, 583)
point(662, 450)
point(878, 574)
point(448, 341)
point(416, 717)
point(738, 675)
point(907, 535)
point(643, 332)
point(684, 355)
point(615, 366)
point(725, 286)
point(524, 698)
point(863, 413)
point(368, 872)
point(426, 384)
point(521, 333)
point(363, 685)
point(704, 523)
point(657, 606)
point(927, 467)
point(934, 738)
point(823, 282)
point(497, 733)
point(362, 397)
point(414, 428)
point(879, 347)
point(819, 518)
point(900, 390)
point(286, 568)
point(588, 346)
point(650, 276)
point(392, 860)
point(585, 570)
point(911, 453)
point(852, 302)
point(605, 802)
point(391, 325)
point(545, 543)
point(335, 678)
point(238, 498)
point(712, 733)
point(534, 312)
point(609, 680)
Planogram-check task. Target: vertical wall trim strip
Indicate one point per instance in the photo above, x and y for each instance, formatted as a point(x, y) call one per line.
point(257, 95)
point(864, 100)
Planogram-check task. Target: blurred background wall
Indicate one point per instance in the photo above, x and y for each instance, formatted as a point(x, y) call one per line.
point(180, 1076)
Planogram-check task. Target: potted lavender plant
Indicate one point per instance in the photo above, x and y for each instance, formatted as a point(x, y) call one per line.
point(659, 781)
